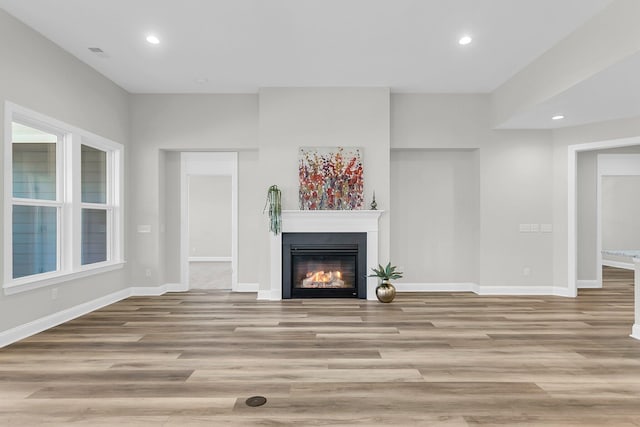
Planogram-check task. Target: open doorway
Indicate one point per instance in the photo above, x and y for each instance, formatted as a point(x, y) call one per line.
point(585, 229)
point(618, 207)
point(208, 236)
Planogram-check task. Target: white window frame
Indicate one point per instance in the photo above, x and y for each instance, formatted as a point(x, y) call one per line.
point(68, 186)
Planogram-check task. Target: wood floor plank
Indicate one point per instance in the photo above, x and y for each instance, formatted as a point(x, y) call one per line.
point(427, 359)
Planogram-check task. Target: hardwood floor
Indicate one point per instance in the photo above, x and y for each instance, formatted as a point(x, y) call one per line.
point(427, 359)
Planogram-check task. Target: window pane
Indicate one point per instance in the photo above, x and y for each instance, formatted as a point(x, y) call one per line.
point(35, 248)
point(94, 175)
point(94, 236)
point(34, 170)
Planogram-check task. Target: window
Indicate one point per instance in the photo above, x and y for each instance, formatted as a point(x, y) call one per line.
point(62, 201)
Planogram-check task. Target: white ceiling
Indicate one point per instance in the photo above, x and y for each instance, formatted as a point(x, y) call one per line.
point(238, 46)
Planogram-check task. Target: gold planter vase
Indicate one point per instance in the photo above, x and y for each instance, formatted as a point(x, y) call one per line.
point(385, 292)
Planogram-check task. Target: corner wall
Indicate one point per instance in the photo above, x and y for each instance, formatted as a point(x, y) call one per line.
point(38, 75)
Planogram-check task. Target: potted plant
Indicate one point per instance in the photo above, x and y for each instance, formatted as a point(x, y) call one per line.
point(385, 291)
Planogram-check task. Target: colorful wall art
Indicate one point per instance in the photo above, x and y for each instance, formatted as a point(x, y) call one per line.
point(330, 178)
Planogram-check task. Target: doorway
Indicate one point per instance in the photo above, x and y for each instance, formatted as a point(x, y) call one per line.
point(573, 232)
point(209, 212)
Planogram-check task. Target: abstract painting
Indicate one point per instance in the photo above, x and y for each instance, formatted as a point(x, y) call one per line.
point(330, 178)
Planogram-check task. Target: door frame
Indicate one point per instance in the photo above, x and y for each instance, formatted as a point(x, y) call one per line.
point(207, 164)
point(572, 202)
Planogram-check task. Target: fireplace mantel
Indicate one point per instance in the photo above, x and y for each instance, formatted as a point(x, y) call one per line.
point(357, 221)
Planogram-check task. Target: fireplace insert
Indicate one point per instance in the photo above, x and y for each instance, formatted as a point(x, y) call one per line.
point(324, 265)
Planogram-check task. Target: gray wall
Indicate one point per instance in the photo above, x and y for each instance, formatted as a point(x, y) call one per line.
point(38, 75)
point(453, 122)
point(620, 212)
point(436, 222)
point(587, 207)
point(324, 117)
point(186, 123)
point(209, 216)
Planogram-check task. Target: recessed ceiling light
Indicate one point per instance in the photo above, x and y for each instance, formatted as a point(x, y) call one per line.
point(464, 40)
point(201, 80)
point(153, 39)
point(557, 117)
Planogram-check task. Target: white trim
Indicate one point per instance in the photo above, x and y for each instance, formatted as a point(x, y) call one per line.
point(635, 331)
point(210, 259)
point(268, 295)
point(436, 287)
point(246, 287)
point(618, 264)
point(70, 139)
point(297, 221)
point(23, 331)
point(176, 287)
point(47, 279)
point(184, 221)
point(572, 220)
point(589, 284)
point(524, 290)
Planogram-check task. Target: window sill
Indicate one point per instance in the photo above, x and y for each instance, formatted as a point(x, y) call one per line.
point(49, 279)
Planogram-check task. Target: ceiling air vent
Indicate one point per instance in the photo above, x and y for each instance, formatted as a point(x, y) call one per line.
point(99, 52)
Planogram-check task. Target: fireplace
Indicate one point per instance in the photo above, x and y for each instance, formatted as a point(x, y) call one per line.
point(324, 265)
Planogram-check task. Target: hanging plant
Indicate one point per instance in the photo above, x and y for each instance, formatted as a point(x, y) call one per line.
point(274, 205)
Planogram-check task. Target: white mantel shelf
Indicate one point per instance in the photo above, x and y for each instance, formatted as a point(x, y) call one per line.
point(356, 221)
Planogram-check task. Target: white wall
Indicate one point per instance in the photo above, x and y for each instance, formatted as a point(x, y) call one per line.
point(436, 222)
point(36, 74)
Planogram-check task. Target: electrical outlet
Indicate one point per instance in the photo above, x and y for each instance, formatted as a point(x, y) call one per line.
point(147, 272)
point(54, 293)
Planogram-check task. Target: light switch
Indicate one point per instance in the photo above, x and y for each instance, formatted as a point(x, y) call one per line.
point(535, 228)
point(546, 228)
point(525, 228)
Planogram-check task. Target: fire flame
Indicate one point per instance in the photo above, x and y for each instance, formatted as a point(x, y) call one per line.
point(322, 277)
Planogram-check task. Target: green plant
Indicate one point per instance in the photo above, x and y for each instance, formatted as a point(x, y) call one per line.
point(386, 273)
point(274, 205)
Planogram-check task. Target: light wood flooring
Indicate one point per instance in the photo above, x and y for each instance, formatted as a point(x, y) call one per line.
point(427, 359)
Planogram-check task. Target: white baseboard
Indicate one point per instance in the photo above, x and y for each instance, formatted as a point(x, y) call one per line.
point(515, 290)
point(564, 292)
point(268, 295)
point(23, 331)
point(176, 287)
point(618, 264)
point(435, 287)
point(588, 284)
point(635, 331)
point(246, 287)
point(482, 289)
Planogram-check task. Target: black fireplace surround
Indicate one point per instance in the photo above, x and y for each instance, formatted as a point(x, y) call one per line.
point(324, 265)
